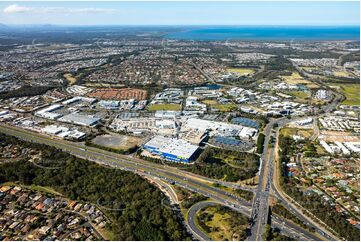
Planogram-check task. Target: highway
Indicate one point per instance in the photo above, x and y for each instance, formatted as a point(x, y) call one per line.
point(260, 208)
point(268, 182)
point(139, 166)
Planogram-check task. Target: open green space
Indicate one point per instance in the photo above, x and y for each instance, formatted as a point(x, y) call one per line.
point(299, 94)
point(306, 133)
point(70, 78)
point(351, 92)
point(168, 107)
point(242, 71)
point(221, 107)
point(225, 164)
point(221, 223)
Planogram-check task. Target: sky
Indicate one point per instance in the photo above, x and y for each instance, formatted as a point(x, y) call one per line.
point(181, 13)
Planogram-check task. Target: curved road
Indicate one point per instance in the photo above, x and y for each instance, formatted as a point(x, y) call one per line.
point(191, 219)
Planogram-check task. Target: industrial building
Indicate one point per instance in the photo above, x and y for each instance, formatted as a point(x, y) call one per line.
point(78, 99)
point(172, 149)
point(165, 124)
point(49, 112)
point(63, 132)
point(80, 119)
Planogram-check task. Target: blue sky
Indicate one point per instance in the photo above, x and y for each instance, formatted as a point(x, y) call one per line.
point(181, 13)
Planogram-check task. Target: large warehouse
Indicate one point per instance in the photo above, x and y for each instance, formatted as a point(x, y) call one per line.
point(171, 149)
point(221, 128)
point(76, 118)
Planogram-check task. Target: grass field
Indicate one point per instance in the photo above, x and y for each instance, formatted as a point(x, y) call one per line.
point(221, 107)
point(296, 78)
point(309, 68)
point(210, 102)
point(300, 96)
point(242, 71)
point(225, 107)
point(341, 73)
point(351, 92)
point(70, 78)
point(222, 225)
point(306, 133)
point(155, 107)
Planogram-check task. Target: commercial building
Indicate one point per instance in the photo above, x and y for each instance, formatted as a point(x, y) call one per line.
point(322, 94)
point(193, 104)
point(246, 122)
point(165, 124)
point(194, 137)
point(177, 150)
point(220, 128)
point(80, 119)
point(109, 104)
point(303, 122)
point(161, 114)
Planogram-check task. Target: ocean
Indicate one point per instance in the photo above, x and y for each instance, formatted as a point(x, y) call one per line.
point(281, 33)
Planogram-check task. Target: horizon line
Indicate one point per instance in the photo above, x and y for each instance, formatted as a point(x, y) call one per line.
point(185, 25)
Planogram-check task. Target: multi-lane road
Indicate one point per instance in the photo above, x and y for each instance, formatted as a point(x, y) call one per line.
point(166, 173)
point(260, 208)
point(268, 182)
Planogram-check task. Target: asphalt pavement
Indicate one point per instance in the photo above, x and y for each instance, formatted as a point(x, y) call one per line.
point(136, 165)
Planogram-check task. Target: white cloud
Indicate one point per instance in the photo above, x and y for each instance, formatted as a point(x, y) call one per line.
point(16, 9)
point(22, 9)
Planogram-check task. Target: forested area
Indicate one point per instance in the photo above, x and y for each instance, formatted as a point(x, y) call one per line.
point(272, 234)
point(313, 202)
point(280, 210)
point(275, 67)
point(135, 206)
point(25, 92)
point(217, 163)
point(260, 143)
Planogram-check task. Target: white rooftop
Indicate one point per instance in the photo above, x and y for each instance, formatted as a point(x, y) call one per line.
point(177, 147)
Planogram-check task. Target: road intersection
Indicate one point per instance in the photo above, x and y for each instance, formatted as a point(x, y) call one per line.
point(165, 173)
